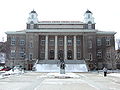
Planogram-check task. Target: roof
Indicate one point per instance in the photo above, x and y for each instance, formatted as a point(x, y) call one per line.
point(62, 31)
point(16, 32)
point(88, 11)
point(33, 11)
point(106, 32)
point(60, 22)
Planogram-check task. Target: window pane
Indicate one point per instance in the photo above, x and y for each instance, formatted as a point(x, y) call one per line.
point(13, 41)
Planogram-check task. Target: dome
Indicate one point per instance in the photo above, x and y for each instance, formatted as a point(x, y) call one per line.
point(33, 11)
point(88, 11)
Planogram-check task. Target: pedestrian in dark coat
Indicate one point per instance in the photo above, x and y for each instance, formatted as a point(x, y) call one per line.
point(105, 71)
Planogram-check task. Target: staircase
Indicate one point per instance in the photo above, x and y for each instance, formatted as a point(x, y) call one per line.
point(53, 66)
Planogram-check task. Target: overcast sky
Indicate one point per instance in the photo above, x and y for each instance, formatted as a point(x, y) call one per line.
point(14, 13)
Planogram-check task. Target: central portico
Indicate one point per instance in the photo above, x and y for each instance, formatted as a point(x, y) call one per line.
point(52, 47)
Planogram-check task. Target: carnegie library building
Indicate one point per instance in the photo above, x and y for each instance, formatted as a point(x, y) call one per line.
point(73, 41)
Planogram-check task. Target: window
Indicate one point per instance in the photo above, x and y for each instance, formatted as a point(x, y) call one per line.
point(78, 42)
point(42, 55)
point(88, 15)
point(13, 53)
point(99, 42)
point(99, 54)
point(60, 42)
point(42, 42)
point(30, 56)
point(69, 42)
point(78, 54)
point(32, 16)
point(89, 26)
point(108, 54)
point(22, 54)
point(31, 26)
point(89, 44)
point(30, 45)
point(13, 41)
point(22, 42)
point(107, 41)
point(52, 43)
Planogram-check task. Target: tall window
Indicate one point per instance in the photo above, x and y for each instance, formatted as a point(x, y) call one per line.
point(69, 42)
point(52, 42)
point(88, 15)
point(60, 41)
point(99, 43)
point(43, 42)
point(22, 42)
point(78, 41)
point(107, 41)
point(32, 16)
point(89, 26)
point(13, 41)
point(13, 53)
point(78, 54)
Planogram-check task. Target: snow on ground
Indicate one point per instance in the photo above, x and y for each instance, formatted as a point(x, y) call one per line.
point(114, 74)
point(69, 75)
point(11, 72)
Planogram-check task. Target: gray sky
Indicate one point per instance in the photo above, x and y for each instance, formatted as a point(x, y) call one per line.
point(14, 13)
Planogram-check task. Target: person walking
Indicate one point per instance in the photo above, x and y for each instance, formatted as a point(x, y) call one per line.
point(105, 71)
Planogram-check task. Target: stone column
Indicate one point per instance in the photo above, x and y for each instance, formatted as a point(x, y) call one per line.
point(46, 48)
point(75, 48)
point(56, 50)
point(65, 47)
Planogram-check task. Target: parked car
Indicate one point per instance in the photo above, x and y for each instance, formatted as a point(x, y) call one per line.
point(5, 69)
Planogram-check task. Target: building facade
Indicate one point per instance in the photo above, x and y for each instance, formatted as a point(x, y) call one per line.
point(53, 40)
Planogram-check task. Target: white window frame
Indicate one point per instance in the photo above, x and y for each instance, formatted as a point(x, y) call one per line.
point(99, 42)
point(13, 41)
point(69, 42)
point(99, 54)
point(13, 53)
point(108, 42)
point(22, 42)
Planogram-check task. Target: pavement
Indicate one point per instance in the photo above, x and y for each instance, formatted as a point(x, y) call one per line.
point(54, 81)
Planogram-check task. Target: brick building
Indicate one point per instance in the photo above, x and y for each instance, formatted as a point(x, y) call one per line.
point(50, 40)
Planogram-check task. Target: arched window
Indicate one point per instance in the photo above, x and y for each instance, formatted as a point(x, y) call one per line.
point(89, 25)
point(32, 16)
point(88, 15)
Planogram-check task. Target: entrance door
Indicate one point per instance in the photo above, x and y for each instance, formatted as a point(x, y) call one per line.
point(60, 54)
point(69, 55)
point(51, 55)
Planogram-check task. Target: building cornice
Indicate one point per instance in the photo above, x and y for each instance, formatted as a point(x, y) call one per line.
point(15, 32)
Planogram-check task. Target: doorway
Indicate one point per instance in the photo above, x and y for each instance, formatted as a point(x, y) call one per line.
point(69, 55)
